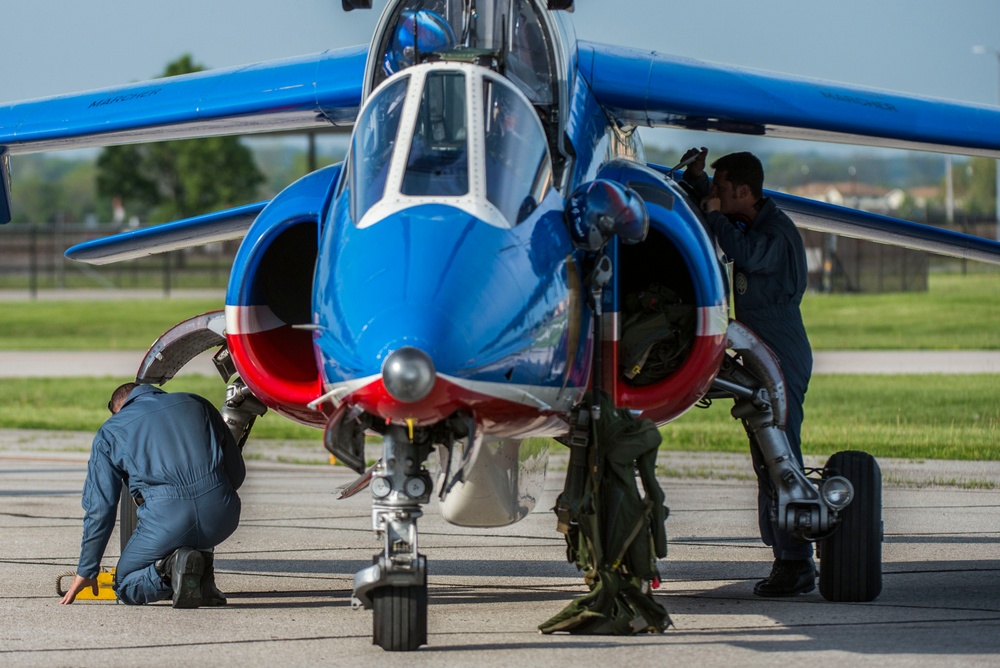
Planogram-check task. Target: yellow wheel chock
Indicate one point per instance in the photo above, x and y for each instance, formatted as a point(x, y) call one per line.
point(105, 579)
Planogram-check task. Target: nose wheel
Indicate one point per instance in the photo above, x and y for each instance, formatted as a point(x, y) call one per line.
point(399, 617)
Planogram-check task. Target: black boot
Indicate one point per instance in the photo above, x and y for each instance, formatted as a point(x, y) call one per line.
point(183, 571)
point(789, 577)
point(210, 594)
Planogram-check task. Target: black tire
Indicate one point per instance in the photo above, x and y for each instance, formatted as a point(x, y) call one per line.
point(399, 620)
point(127, 517)
point(851, 557)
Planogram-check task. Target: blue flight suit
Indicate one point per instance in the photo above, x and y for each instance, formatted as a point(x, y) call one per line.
point(177, 454)
point(770, 278)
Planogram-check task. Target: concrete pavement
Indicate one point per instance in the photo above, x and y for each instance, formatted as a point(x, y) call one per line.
point(289, 567)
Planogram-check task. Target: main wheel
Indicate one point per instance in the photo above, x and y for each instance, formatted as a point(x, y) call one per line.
point(851, 557)
point(399, 617)
point(127, 517)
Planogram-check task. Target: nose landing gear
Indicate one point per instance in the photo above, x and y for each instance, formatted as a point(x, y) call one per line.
point(394, 587)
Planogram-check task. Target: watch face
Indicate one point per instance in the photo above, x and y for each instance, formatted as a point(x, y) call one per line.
point(381, 487)
point(415, 487)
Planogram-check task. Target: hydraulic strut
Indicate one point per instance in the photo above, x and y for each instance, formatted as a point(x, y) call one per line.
point(399, 486)
point(752, 377)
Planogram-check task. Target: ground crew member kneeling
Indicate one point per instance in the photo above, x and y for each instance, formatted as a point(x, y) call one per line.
point(183, 467)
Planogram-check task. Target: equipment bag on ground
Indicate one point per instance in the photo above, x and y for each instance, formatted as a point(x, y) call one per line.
point(614, 534)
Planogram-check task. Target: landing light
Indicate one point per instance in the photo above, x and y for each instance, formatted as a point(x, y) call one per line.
point(408, 374)
point(838, 492)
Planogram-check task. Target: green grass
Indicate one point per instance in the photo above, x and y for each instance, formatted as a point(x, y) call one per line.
point(911, 416)
point(94, 325)
point(80, 404)
point(917, 417)
point(958, 312)
point(914, 417)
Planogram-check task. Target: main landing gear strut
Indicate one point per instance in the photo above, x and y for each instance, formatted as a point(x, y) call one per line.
point(841, 509)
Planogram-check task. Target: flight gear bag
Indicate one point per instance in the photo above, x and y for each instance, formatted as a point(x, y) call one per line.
point(613, 534)
point(657, 334)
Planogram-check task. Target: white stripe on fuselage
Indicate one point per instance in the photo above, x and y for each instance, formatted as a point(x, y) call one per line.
point(242, 320)
point(541, 397)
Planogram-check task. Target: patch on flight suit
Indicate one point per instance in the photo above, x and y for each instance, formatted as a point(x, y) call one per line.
point(741, 283)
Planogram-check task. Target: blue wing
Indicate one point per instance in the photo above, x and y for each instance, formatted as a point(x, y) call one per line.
point(823, 217)
point(656, 90)
point(317, 91)
point(652, 89)
point(321, 90)
point(211, 227)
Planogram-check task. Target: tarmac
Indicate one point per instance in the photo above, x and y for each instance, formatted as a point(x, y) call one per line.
point(288, 572)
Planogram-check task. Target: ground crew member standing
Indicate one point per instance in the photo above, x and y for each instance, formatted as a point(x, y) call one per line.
point(770, 278)
point(180, 462)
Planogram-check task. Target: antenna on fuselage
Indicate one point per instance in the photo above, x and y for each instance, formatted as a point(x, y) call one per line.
point(356, 4)
point(468, 30)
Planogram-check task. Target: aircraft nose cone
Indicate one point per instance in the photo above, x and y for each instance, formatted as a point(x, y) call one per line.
point(408, 374)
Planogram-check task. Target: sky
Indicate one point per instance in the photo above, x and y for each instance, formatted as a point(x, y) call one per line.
point(51, 47)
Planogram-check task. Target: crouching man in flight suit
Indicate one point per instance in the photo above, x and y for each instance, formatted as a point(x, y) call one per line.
point(180, 462)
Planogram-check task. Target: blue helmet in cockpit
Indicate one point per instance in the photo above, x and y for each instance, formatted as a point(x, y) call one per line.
point(420, 31)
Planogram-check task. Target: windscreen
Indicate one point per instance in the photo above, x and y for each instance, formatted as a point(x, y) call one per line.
point(438, 162)
point(374, 140)
point(518, 169)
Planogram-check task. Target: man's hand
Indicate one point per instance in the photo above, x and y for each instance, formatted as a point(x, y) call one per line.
point(79, 584)
point(697, 158)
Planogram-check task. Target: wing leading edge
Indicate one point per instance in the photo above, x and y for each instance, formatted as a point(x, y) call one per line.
point(187, 233)
point(320, 90)
point(823, 217)
point(317, 91)
point(656, 90)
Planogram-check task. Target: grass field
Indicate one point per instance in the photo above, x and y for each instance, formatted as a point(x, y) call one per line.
point(916, 417)
point(956, 313)
point(919, 417)
point(93, 325)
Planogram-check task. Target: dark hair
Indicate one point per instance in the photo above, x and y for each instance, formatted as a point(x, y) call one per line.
point(742, 169)
point(120, 395)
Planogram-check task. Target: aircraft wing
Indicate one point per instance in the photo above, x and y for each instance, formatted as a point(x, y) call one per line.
point(321, 90)
point(822, 217)
point(811, 214)
point(656, 90)
point(197, 231)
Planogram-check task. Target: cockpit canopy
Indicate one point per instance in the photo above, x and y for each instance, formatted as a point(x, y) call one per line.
point(449, 133)
point(508, 36)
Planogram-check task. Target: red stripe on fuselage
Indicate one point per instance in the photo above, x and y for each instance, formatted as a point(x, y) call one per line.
point(279, 367)
point(444, 400)
point(667, 399)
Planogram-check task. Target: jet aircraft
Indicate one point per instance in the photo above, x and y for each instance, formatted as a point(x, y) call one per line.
point(460, 281)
